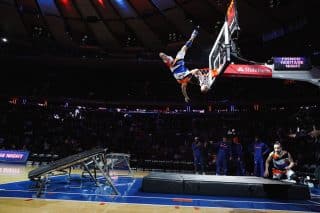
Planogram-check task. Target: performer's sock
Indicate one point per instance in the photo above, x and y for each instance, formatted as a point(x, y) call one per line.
point(188, 43)
point(193, 36)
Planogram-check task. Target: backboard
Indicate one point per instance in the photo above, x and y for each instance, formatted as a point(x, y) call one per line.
point(219, 56)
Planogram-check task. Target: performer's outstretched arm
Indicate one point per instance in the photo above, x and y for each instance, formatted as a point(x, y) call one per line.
point(291, 162)
point(203, 76)
point(266, 171)
point(184, 92)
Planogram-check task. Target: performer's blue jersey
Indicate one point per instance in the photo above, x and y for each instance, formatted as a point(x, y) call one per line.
point(237, 150)
point(179, 69)
point(260, 149)
point(224, 153)
point(225, 148)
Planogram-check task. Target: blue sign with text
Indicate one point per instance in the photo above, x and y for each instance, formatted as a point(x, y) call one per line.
point(291, 63)
point(13, 156)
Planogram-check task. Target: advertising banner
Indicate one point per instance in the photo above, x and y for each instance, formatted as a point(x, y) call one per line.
point(13, 156)
point(291, 63)
point(243, 70)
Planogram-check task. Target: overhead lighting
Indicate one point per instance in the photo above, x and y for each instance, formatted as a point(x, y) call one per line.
point(5, 40)
point(65, 2)
point(101, 3)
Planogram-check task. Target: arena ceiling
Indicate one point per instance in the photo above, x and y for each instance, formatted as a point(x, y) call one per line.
point(135, 31)
point(147, 26)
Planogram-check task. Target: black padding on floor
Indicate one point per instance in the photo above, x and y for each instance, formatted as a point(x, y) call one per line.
point(238, 186)
point(164, 183)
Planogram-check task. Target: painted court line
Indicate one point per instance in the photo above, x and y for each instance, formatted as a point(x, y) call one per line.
point(13, 182)
point(66, 193)
point(153, 205)
point(314, 202)
point(230, 201)
point(185, 200)
point(170, 198)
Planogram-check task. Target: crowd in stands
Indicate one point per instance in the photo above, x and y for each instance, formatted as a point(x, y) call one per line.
point(162, 137)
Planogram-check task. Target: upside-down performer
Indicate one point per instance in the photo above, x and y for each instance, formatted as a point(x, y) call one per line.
point(182, 74)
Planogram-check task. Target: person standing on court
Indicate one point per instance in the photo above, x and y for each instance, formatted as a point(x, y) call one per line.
point(260, 151)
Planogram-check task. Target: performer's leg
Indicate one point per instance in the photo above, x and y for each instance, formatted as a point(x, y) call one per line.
point(239, 168)
point(195, 72)
point(195, 79)
point(195, 165)
point(218, 164)
point(290, 174)
point(202, 165)
point(182, 52)
point(225, 165)
point(242, 168)
point(276, 176)
point(192, 37)
point(258, 168)
point(198, 163)
point(255, 171)
point(261, 168)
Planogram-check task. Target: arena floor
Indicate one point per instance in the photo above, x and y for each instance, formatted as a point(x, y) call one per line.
point(17, 194)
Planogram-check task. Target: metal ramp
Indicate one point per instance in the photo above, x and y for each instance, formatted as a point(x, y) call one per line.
point(90, 161)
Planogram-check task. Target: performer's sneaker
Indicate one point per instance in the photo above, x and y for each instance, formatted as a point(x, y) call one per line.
point(194, 33)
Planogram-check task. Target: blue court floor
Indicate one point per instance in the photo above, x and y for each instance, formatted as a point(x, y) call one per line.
point(82, 189)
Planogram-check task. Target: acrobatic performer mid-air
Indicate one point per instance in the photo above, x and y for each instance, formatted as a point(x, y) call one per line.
point(182, 74)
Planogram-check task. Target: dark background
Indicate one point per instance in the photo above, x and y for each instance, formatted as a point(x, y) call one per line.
point(36, 63)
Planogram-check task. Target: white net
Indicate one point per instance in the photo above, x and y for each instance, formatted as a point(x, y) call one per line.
point(204, 78)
